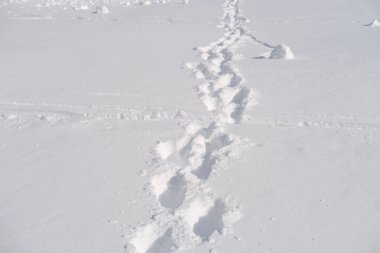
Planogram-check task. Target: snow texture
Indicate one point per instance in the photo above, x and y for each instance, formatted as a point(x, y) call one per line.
point(117, 137)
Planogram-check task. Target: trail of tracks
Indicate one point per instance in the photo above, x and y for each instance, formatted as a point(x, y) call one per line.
point(188, 212)
point(51, 113)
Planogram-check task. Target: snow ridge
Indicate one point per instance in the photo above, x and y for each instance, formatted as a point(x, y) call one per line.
point(188, 213)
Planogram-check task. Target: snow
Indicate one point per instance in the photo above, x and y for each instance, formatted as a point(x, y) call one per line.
point(167, 126)
point(281, 52)
point(101, 9)
point(374, 23)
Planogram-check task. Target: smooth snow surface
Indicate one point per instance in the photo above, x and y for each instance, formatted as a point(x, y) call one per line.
point(166, 126)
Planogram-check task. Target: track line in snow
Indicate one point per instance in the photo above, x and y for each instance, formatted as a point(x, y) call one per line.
point(58, 113)
point(67, 113)
point(222, 91)
point(188, 212)
point(317, 121)
point(84, 5)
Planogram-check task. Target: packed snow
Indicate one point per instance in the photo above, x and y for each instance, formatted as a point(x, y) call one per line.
point(163, 126)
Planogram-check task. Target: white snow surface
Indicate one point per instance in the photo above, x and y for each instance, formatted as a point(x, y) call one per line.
point(159, 126)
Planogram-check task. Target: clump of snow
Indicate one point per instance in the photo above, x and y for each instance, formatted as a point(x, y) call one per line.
point(101, 9)
point(164, 149)
point(281, 52)
point(180, 115)
point(159, 182)
point(303, 124)
point(375, 23)
point(197, 151)
point(81, 7)
point(146, 2)
point(189, 65)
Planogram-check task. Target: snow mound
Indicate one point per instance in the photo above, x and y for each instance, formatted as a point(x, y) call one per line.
point(375, 23)
point(281, 52)
point(164, 149)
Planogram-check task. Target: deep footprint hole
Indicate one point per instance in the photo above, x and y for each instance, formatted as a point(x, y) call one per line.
point(211, 158)
point(175, 193)
point(162, 244)
point(211, 222)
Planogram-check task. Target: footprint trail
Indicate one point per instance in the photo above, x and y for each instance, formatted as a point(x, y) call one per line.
point(188, 213)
